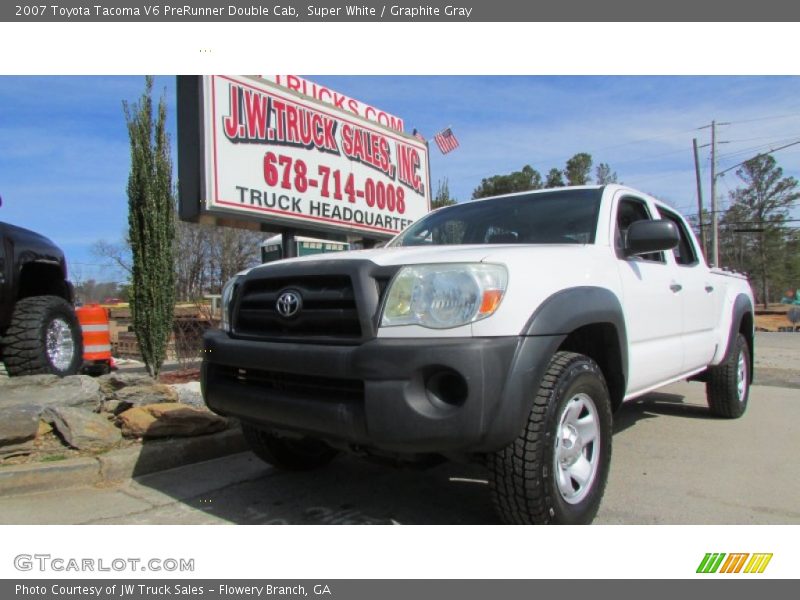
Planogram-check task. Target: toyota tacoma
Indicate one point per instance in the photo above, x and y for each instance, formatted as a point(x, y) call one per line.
point(506, 330)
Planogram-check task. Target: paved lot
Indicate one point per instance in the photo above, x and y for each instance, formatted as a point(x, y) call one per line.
point(672, 463)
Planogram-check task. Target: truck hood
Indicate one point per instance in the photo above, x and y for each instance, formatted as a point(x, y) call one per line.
point(413, 255)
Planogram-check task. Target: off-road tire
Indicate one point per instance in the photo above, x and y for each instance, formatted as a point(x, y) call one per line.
point(25, 345)
point(524, 475)
point(287, 454)
point(725, 397)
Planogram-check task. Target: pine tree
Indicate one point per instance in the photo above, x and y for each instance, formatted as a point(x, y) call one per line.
point(578, 169)
point(762, 205)
point(151, 228)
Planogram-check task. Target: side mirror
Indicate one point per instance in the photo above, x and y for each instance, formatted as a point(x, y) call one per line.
point(645, 237)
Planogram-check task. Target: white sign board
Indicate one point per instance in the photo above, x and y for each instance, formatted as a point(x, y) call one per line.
point(276, 156)
point(339, 100)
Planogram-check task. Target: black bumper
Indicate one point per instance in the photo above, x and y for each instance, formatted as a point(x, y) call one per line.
point(397, 395)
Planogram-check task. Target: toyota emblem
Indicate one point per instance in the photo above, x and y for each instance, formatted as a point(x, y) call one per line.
point(289, 304)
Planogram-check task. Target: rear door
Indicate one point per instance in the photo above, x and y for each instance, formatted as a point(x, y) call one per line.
point(697, 296)
point(652, 304)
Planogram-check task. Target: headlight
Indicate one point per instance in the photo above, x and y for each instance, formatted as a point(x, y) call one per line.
point(444, 296)
point(227, 297)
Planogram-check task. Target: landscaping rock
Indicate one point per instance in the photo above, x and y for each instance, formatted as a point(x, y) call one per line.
point(142, 395)
point(44, 428)
point(166, 420)
point(18, 429)
point(115, 407)
point(82, 429)
point(116, 381)
point(48, 390)
point(189, 393)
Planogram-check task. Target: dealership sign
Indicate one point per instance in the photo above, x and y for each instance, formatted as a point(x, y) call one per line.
point(337, 99)
point(289, 161)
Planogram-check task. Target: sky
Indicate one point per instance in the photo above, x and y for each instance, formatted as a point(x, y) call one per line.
point(64, 155)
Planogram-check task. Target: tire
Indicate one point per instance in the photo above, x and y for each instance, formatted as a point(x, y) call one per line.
point(44, 337)
point(728, 384)
point(285, 453)
point(535, 480)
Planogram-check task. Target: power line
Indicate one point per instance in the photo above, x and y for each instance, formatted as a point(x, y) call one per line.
point(762, 153)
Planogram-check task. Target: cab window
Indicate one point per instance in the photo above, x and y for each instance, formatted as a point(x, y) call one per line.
point(629, 211)
point(684, 252)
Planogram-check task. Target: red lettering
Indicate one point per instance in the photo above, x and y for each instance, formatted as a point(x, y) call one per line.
point(330, 139)
point(255, 106)
point(347, 139)
point(231, 122)
point(293, 83)
point(292, 135)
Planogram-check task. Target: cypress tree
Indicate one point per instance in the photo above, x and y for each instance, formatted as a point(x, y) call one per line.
point(151, 228)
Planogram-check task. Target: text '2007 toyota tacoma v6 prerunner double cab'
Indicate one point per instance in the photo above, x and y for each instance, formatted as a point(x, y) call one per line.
point(506, 329)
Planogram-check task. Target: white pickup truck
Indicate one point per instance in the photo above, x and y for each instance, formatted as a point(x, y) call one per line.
point(505, 330)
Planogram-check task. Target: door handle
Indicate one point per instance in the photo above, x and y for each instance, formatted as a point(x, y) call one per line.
point(709, 288)
point(676, 287)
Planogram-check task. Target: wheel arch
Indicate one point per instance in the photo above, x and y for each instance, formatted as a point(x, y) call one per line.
point(742, 322)
point(592, 323)
point(38, 278)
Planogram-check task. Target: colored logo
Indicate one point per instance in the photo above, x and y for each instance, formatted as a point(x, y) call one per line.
point(741, 562)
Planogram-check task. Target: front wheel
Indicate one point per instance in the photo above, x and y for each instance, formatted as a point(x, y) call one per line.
point(728, 384)
point(44, 337)
point(556, 470)
point(287, 453)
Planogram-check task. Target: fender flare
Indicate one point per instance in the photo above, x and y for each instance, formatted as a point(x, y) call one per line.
point(569, 309)
point(742, 306)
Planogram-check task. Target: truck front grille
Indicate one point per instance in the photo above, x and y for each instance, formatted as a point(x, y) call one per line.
point(328, 308)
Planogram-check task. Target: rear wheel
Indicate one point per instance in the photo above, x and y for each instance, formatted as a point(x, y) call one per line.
point(44, 337)
point(728, 384)
point(287, 453)
point(556, 470)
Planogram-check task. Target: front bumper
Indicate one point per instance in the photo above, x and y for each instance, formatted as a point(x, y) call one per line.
point(395, 395)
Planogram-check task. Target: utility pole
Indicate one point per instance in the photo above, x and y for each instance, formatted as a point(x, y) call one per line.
point(699, 200)
point(714, 215)
point(714, 211)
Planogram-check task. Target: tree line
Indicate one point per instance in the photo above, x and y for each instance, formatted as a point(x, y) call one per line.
point(576, 171)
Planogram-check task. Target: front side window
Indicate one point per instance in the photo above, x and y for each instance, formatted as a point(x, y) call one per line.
point(558, 217)
point(684, 252)
point(629, 211)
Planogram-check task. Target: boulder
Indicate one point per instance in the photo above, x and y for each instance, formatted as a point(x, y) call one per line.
point(116, 381)
point(114, 407)
point(142, 395)
point(48, 390)
point(189, 393)
point(168, 420)
point(18, 428)
point(82, 429)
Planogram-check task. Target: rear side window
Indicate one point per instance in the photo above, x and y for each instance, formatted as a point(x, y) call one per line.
point(684, 252)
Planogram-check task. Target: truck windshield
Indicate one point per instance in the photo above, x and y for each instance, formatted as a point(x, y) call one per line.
point(567, 216)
